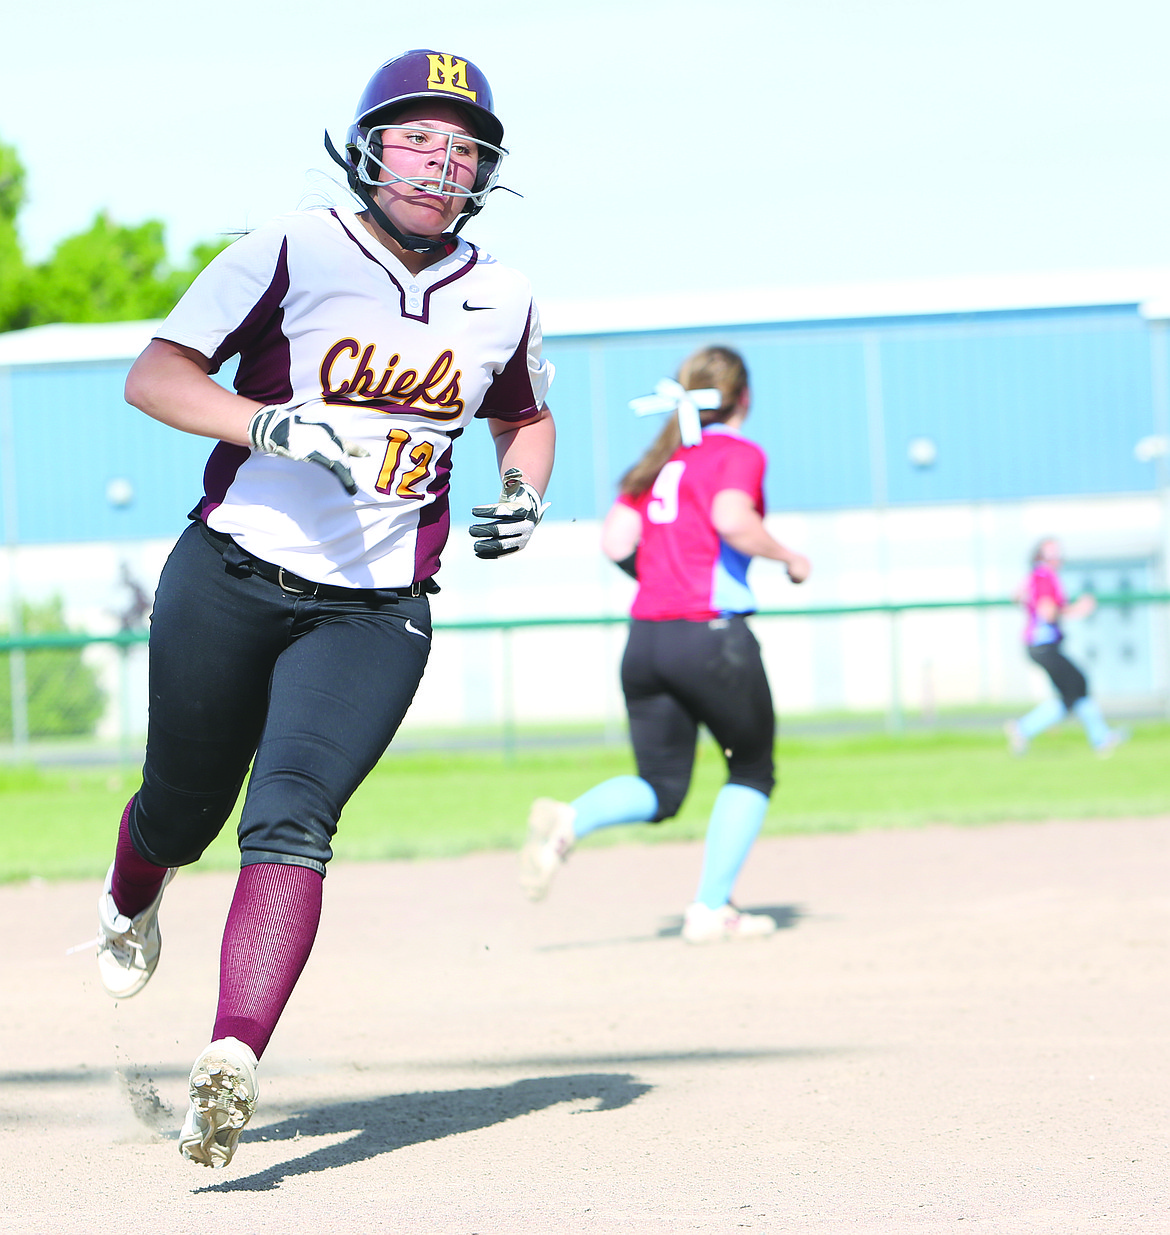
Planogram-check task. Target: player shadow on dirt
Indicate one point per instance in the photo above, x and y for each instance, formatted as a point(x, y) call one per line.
point(786, 918)
point(398, 1120)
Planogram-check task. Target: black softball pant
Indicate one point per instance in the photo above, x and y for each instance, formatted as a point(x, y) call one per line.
point(678, 675)
point(1069, 681)
point(314, 688)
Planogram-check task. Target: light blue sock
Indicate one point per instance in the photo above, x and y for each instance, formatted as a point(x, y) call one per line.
point(1096, 728)
point(736, 819)
point(622, 799)
point(1042, 716)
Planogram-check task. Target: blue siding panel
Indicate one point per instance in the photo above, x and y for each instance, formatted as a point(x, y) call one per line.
point(573, 490)
point(809, 414)
point(1018, 410)
point(1019, 404)
point(73, 434)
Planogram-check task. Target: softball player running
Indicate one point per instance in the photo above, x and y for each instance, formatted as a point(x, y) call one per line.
point(687, 523)
point(1044, 601)
point(291, 625)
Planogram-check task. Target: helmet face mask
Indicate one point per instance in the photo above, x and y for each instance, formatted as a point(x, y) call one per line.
point(367, 152)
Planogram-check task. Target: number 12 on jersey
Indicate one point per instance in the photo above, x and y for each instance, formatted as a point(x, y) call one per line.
point(410, 483)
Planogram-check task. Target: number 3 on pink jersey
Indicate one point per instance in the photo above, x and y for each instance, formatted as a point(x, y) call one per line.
point(663, 506)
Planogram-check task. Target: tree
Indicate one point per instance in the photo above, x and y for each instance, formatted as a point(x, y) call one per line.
point(12, 192)
point(13, 272)
point(14, 280)
point(110, 273)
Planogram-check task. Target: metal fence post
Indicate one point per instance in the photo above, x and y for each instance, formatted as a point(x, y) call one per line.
point(124, 704)
point(895, 720)
point(507, 695)
point(614, 700)
point(18, 687)
point(1160, 376)
point(17, 668)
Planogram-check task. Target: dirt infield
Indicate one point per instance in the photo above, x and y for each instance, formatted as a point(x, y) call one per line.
point(957, 1030)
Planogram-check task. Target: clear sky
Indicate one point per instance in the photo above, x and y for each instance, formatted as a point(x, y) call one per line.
point(660, 146)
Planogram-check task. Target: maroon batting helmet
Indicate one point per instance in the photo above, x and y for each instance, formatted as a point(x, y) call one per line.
point(424, 74)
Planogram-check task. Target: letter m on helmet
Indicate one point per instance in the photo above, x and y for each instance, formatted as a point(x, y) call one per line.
point(449, 74)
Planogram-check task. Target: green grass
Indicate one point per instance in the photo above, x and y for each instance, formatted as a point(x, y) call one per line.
point(61, 824)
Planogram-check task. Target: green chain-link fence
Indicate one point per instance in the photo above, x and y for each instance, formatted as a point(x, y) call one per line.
point(50, 691)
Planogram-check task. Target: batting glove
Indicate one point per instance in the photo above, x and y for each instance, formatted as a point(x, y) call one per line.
point(514, 517)
point(281, 431)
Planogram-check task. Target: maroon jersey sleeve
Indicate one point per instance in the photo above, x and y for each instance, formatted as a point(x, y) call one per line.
point(517, 392)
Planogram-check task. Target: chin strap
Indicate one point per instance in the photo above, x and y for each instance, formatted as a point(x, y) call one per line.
point(415, 244)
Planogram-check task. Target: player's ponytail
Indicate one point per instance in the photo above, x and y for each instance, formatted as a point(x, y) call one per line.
point(645, 472)
point(717, 368)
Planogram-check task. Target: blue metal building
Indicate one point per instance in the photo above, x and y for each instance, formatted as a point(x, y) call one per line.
point(919, 438)
point(1022, 401)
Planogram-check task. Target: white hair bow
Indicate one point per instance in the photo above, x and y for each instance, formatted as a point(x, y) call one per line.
point(669, 396)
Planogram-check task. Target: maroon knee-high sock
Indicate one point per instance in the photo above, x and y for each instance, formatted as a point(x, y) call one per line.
point(135, 881)
point(267, 940)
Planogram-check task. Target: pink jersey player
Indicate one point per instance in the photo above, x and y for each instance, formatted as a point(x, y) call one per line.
point(1045, 604)
point(688, 521)
point(1043, 599)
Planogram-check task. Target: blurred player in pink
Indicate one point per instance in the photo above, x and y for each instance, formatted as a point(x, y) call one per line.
point(687, 522)
point(292, 623)
point(1044, 601)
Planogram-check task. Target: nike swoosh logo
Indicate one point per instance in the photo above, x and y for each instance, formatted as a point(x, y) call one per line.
point(477, 308)
point(414, 630)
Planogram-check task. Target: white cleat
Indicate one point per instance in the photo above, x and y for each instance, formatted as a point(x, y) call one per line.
point(1017, 743)
point(550, 841)
point(223, 1092)
point(704, 925)
point(128, 948)
point(1111, 742)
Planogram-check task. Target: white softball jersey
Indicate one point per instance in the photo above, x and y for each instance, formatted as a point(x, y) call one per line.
point(323, 316)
